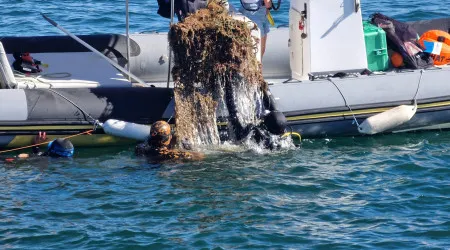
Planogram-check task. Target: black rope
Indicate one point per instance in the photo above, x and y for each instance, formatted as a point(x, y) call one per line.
point(95, 123)
point(345, 100)
point(418, 86)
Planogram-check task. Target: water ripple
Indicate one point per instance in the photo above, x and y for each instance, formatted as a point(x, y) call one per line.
point(345, 193)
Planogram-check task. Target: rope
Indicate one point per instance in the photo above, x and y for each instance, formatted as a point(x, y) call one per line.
point(345, 101)
point(54, 75)
point(35, 79)
point(351, 111)
point(418, 86)
point(42, 143)
point(36, 76)
point(172, 10)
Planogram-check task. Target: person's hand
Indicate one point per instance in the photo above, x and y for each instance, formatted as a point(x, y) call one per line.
point(40, 138)
point(268, 4)
point(22, 156)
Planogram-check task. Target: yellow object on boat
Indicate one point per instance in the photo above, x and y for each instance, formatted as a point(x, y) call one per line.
point(270, 18)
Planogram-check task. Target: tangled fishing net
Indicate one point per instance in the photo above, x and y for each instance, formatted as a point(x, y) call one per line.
point(215, 67)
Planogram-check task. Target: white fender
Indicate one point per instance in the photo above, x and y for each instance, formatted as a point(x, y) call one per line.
point(387, 120)
point(126, 129)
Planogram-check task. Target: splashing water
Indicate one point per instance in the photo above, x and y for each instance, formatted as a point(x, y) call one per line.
point(217, 75)
point(215, 64)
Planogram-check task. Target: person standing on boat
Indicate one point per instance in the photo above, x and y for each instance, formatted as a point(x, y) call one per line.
point(257, 10)
point(158, 145)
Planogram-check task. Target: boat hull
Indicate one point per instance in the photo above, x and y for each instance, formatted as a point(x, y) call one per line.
point(30, 111)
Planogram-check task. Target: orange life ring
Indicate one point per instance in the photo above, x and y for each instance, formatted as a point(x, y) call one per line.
point(438, 36)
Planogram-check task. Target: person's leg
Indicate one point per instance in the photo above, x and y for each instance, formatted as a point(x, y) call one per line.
point(264, 26)
point(263, 45)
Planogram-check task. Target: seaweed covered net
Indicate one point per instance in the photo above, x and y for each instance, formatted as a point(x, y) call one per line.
point(214, 67)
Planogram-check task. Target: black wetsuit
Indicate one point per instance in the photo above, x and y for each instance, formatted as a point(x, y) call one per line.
point(37, 152)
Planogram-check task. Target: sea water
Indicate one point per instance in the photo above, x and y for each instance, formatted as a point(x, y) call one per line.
point(381, 192)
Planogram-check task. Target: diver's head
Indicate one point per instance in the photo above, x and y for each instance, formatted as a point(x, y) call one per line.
point(160, 134)
point(60, 148)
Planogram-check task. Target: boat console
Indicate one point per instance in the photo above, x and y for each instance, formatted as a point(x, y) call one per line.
point(325, 37)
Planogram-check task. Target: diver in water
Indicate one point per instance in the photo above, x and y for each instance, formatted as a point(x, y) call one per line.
point(57, 148)
point(158, 145)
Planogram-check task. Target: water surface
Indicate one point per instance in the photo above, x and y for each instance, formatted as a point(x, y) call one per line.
point(382, 192)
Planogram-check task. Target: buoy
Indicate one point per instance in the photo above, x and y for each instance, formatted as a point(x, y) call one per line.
point(125, 129)
point(397, 60)
point(387, 120)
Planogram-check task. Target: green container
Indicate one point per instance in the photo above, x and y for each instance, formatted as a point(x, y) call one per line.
point(376, 47)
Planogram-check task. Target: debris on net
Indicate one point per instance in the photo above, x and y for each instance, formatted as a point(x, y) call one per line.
point(214, 63)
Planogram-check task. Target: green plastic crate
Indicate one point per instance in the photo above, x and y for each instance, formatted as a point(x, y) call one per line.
point(376, 47)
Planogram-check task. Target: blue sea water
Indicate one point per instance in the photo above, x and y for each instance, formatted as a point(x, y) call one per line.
point(382, 192)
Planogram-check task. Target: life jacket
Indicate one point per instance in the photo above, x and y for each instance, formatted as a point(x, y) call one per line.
point(437, 43)
point(25, 63)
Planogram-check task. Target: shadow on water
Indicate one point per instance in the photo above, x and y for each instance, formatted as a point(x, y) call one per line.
point(432, 137)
